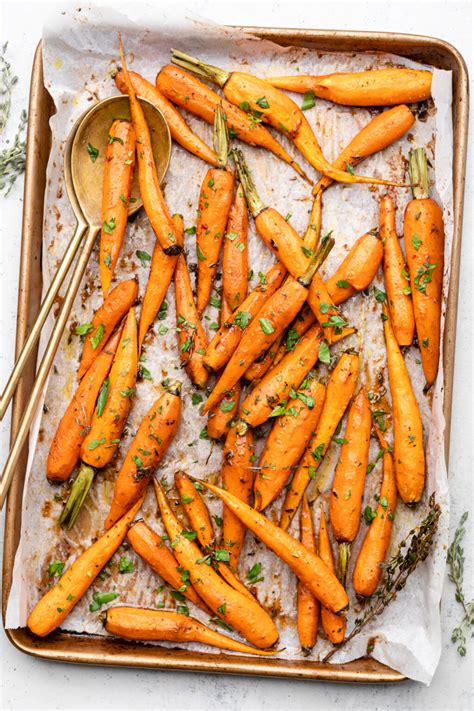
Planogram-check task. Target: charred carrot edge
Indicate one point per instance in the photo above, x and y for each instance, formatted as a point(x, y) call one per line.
point(101, 442)
point(57, 603)
point(357, 271)
point(235, 255)
point(150, 191)
point(117, 183)
point(154, 435)
point(117, 305)
point(243, 613)
point(334, 626)
point(396, 276)
point(179, 129)
point(408, 448)
point(340, 388)
point(306, 604)
point(66, 445)
point(165, 625)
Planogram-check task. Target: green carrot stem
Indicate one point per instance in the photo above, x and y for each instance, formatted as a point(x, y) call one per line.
point(316, 261)
point(207, 71)
point(79, 491)
point(418, 169)
point(254, 202)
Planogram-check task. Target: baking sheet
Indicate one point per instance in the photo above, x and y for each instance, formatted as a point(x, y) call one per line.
point(75, 74)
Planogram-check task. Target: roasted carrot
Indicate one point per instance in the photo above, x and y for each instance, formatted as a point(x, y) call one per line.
point(408, 448)
point(311, 236)
point(307, 606)
point(165, 625)
point(58, 602)
point(272, 106)
point(277, 383)
point(151, 547)
point(340, 389)
point(215, 199)
point(76, 421)
point(154, 435)
point(237, 477)
point(189, 93)
point(117, 304)
point(228, 336)
point(117, 183)
point(357, 270)
point(378, 134)
point(270, 322)
point(263, 364)
point(307, 566)
point(396, 277)
point(334, 625)
point(179, 129)
point(243, 613)
point(235, 256)
point(424, 244)
point(287, 440)
point(101, 442)
point(301, 325)
point(150, 191)
point(347, 489)
point(375, 87)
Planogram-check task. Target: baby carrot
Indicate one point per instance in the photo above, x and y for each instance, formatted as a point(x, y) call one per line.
point(190, 94)
point(307, 606)
point(117, 183)
point(396, 277)
point(301, 325)
point(165, 625)
point(311, 236)
point(117, 305)
point(154, 435)
point(57, 603)
point(375, 87)
point(408, 449)
point(243, 613)
point(101, 442)
point(348, 485)
point(151, 547)
point(235, 256)
point(340, 389)
point(307, 566)
point(150, 191)
point(263, 364)
point(424, 245)
point(76, 421)
point(237, 476)
point(334, 625)
point(215, 199)
point(179, 129)
point(287, 440)
point(357, 271)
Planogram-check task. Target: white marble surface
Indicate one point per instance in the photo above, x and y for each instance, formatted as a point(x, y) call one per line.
point(33, 684)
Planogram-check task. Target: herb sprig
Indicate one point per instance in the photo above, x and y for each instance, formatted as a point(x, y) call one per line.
point(455, 561)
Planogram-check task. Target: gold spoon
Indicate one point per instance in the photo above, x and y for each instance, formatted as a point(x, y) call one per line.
point(83, 178)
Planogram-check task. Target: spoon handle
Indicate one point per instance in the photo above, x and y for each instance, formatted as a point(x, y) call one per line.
point(46, 307)
point(47, 360)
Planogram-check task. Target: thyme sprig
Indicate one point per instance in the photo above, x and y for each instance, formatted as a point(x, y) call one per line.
point(412, 551)
point(12, 156)
point(7, 82)
point(455, 561)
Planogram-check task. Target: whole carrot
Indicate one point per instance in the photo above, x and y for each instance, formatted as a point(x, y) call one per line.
point(150, 191)
point(243, 613)
point(57, 603)
point(190, 94)
point(100, 444)
point(357, 271)
point(399, 301)
point(375, 87)
point(334, 625)
point(408, 449)
point(313, 231)
point(215, 199)
point(307, 566)
point(179, 129)
point(263, 364)
point(348, 485)
point(340, 388)
point(237, 477)
point(164, 625)
point(117, 305)
point(287, 440)
point(151, 547)
point(306, 604)
point(75, 423)
point(117, 183)
point(424, 244)
point(235, 256)
point(154, 435)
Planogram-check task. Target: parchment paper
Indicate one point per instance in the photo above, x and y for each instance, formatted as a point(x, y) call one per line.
point(80, 52)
